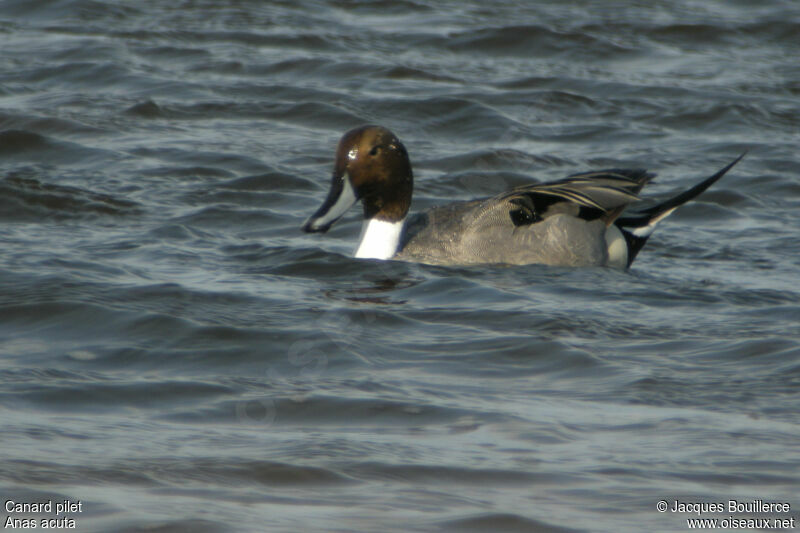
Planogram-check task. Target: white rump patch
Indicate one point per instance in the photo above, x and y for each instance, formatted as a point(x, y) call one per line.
point(617, 247)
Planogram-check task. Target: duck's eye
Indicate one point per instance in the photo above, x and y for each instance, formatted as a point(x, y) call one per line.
point(374, 151)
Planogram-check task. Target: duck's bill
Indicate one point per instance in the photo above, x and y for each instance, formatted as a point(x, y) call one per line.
point(340, 198)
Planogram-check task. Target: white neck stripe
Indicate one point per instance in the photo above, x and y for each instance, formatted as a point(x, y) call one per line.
point(345, 201)
point(379, 239)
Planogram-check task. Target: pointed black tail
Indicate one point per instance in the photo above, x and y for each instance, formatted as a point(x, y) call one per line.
point(638, 227)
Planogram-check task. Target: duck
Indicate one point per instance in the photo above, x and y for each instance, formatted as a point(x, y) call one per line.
point(581, 220)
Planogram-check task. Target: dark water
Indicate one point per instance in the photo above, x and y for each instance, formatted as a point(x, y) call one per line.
point(178, 356)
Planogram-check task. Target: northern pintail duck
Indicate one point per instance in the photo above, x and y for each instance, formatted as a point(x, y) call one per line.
point(575, 221)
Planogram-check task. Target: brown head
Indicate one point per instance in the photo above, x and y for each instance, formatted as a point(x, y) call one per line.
point(372, 166)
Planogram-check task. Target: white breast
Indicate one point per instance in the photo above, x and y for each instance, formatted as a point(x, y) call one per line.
point(379, 239)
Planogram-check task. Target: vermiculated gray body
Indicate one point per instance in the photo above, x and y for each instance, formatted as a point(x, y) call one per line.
point(580, 220)
point(481, 231)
